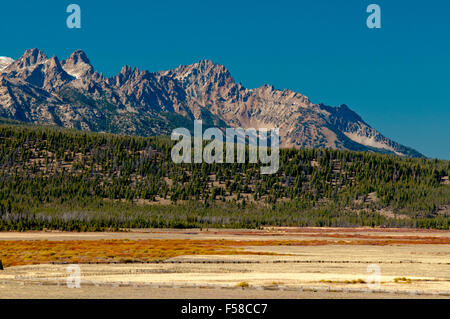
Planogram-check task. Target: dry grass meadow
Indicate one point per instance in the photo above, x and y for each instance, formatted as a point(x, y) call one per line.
point(269, 263)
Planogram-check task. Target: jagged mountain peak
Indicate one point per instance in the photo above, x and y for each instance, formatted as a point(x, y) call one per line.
point(78, 65)
point(28, 61)
point(35, 68)
point(30, 58)
point(133, 71)
point(54, 62)
point(202, 73)
point(78, 56)
point(129, 75)
point(209, 67)
point(206, 64)
point(126, 69)
point(35, 53)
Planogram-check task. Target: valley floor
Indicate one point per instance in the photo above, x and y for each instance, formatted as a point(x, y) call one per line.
point(269, 263)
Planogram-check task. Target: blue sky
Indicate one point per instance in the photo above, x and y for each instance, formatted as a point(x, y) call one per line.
point(397, 77)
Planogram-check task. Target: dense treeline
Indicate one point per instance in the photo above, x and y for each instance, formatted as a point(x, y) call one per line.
point(66, 179)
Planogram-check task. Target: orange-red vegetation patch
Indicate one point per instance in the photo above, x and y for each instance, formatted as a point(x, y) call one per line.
point(14, 253)
point(377, 233)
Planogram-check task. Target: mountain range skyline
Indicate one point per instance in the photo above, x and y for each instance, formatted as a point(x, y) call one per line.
point(70, 93)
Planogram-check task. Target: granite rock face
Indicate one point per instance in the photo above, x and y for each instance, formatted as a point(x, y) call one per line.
point(38, 89)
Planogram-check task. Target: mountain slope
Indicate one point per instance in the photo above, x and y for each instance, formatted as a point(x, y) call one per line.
point(70, 93)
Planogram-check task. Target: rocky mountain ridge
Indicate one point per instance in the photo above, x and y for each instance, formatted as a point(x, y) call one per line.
point(70, 93)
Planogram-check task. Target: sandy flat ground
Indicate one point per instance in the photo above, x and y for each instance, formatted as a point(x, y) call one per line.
point(47, 292)
point(300, 272)
point(279, 233)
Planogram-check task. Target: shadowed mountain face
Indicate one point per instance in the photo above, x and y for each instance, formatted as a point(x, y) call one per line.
point(70, 93)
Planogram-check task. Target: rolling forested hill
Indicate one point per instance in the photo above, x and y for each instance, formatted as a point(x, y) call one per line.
point(70, 180)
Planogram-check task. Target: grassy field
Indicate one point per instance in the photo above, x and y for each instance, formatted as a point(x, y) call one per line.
point(14, 253)
point(275, 262)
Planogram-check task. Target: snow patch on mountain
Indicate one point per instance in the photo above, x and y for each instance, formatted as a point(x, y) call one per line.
point(370, 141)
point(4, 62)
